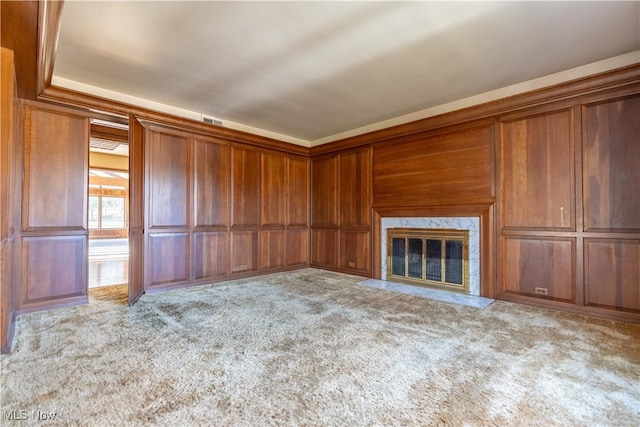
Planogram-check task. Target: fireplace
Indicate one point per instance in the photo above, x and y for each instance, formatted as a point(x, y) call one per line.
point(429, 257)
point(468, 225)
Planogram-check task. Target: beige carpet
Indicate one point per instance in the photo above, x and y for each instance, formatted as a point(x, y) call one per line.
point(315, 348)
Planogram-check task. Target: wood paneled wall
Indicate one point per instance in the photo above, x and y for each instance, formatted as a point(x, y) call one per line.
point(8, 99)
point(341, 212)
point(570, 221)
point(220, 210)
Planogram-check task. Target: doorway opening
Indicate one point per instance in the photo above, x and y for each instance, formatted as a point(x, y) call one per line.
point(108, 211)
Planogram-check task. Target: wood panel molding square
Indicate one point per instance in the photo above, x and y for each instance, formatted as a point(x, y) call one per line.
point(324, 191)
point(539, 267)
point(611, 132)
point(612, 274)
point(53, 268)
point(537, 159)
point(167, 258)
point(211, 183)
point(55, 182)
point(210, 255)
point(168, 181)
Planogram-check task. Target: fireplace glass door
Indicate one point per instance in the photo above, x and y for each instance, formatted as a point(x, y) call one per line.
point(429, 257)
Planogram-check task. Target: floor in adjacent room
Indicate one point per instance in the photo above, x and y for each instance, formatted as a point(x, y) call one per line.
point(108, 262)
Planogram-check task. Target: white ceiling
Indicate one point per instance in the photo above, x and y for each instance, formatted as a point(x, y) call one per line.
point(315, 70)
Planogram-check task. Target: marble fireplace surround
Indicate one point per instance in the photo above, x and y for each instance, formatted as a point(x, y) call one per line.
point(472, 224)
point(482, 216)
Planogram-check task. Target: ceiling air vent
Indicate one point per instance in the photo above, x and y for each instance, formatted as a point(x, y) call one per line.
point(211, 121)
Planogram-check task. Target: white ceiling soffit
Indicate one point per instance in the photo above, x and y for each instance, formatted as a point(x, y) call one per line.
point(313, 72)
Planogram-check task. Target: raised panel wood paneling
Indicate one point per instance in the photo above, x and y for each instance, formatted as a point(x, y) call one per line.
point(245, 166)
point(448, 168)
point(53, 268)
point(355, 251)
point(611, 134)
point(210, 255)
point(167, 258)
point(272, 249)
point(273, 198)
point(612, 273)
point(324, 251)
point(297, 248)
point(56, 169)
point(355, 188)
point(168, 157)
point(244, 251)
point(298, 191)
point(324, 191)
point(537, 156)
point(211, 183)
point(530, 263)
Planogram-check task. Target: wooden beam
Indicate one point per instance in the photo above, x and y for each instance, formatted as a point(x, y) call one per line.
point(19, 33)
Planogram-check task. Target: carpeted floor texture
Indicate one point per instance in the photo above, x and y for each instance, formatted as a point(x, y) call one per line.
point(315, 348)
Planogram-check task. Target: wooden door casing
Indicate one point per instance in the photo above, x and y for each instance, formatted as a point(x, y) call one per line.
point(136, 211)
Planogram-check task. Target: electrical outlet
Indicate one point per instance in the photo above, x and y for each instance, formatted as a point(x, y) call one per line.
point(352, 264)
point(542, 291)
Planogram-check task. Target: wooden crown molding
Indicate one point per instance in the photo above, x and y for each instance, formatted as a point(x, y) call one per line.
point(49, 17)
point(66, 96)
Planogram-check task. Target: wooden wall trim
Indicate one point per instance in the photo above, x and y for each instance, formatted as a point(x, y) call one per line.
point(49, 17)
point(57, 94)
point(109, 133)
point(626, 76)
